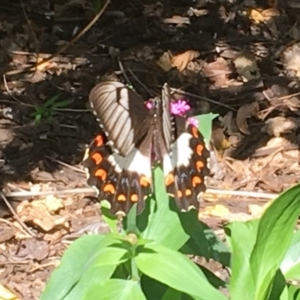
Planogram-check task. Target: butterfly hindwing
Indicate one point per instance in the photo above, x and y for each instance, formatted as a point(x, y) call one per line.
point(123, 181)
point(185, 168)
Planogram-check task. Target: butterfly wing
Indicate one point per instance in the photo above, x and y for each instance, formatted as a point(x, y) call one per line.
point(119, 159)
point(121, 114)
point(185, 168)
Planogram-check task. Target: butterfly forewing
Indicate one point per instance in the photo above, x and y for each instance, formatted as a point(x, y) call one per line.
point(121, 113)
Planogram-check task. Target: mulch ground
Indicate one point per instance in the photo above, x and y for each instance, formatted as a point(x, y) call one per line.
point(239, 59)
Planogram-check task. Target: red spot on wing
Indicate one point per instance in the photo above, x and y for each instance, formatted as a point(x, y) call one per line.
point(145, 181)
point(97, 158)
point(196, 180)
point(121, 198)
point(101, 173)
point(199, 165)
point(195, 132)
point(134, 198)
point(169, 179)
point(109, 188)
point(99, 140)
point(199, 149)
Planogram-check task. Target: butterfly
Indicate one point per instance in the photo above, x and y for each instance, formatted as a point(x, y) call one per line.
point(119, 160)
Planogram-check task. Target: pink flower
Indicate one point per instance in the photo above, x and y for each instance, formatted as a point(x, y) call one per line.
point(179, 107)
point(193, 121)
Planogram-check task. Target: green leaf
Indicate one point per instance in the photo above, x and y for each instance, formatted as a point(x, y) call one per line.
point(110, 220)
point(242, 238)
point(172, 294)
point(116, 289)
point(85, 253)
point(163, 224)
point(50, 101)
point(175, 270)
point(62, 103)
point(274, 235)
point(205, 124)
point(290, 265)
point(202, 242)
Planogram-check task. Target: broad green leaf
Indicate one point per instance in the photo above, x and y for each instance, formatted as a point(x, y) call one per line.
point(175, 270)
point(86, 252)
point(116, 289)
point(290, 265)
point(293, 293)
point(172, 294)
point(110, 220)
point(94, 275)
point(274, 235)
point(202, 242)
point(163, 224)
point(242, 237)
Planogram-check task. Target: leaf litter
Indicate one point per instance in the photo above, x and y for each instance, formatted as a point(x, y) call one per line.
point(240, 61)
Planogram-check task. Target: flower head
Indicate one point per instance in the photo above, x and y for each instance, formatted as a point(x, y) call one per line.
point(179, 107)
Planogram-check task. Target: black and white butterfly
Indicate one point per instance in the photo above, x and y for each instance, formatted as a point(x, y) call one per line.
point(119, 160)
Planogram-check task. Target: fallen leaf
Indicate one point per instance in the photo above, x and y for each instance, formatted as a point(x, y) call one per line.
point(217, 210)
point(246, 66)
point(278, 125)
point(178, 20)
point(181, 61)
point(164, 61)
point(218, 71)
point(6, 294)
point(259, 15)
point(245, 112)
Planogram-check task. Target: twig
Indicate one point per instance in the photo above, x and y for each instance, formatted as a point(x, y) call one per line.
point(65, 47)
point(202, 98)
point(242, 193)
point(27, 194)
point(16, 216)
point(91, 191)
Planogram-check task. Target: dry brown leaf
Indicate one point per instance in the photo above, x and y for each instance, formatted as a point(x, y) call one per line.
point(178, 20)
point(164, 61)
point(245, 112)
point(258, 15)
point(218, 71)
point(217, 210)
point(181, 61)
point(278, 125)
point(6, 294)
point(246, 66)
point(41, 214)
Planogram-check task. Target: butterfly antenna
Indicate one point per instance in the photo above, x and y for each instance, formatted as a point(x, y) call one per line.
point(146, 89)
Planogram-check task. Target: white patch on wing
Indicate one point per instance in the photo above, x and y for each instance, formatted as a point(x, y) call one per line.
point(135, 161)
point(181, 150)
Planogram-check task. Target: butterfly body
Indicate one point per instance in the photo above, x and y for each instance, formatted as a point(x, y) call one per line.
point(120, 159)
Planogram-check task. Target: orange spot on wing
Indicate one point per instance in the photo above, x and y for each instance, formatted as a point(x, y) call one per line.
point(195, 132)
point(196, 180)
point(134, 198)
point(109, 188)
point(121, 198)
point(169, 179)
point(188, 192)
point(101, 173)
point(145, 181)
point(179, 194)
point(199, 165)
point(199, 149)
point(97, 158)
point(99, 140)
